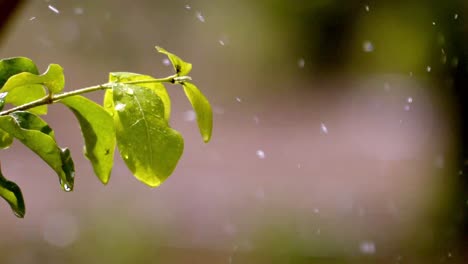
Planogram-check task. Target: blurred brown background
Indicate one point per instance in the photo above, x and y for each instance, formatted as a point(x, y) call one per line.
point(339, 133)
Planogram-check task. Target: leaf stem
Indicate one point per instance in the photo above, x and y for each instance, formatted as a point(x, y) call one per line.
point(51, 98)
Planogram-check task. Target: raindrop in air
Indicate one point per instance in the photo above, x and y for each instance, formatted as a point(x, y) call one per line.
point(188, 7)
point(455, 16)
point(238, 99)
point(55, 10)
point(428, 68)
point(301, 63)
point(367, 46)
point(32, 18)
point(434, 23)
point(189, 115)
point(409, 100)
point(221, 42)
point(367, 8)
point(316, 211)
point(200, 17)
point(323, 128)
point(166, 62)
point(78, 10)
point(260, 154)
point(367, 247)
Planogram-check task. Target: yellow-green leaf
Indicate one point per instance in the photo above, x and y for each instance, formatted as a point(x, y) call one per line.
point(202, 108)
point(97, 128)
point(158, 88)
point(12, 66)
point(181, 67)
point(35, 134)
point(149, 147)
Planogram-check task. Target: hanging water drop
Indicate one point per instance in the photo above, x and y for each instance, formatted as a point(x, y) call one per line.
point(66, 187)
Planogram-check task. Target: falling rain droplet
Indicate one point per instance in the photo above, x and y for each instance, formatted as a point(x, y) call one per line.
point(238, 99)
point(428, 68)
point(78, 10)
point(409, 100)
point(367, 247)
point(189, 115)
point(200, 17)
point(323, 128)
point(188, 7)
point(166, 62)
point(367, 8)
point(260, 154)
point(32, 18)
point(455, 16)
point(434, 23)
point(55, 10)
point(301, 63)
point(367, 46)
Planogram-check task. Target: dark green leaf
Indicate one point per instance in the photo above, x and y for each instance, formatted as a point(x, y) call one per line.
point(34, 133)
point(181, 67)
point(2, 100)
point(97, 128)
point(158, 88)
point(12, 66)
point(149, 147)
point(202, 108)
point(12, 194)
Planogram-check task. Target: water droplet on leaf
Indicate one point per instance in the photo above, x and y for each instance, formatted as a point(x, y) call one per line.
point(119, 107)
point(66, 187)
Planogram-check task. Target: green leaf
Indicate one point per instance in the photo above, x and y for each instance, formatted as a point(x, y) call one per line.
point(97, 128)
point(24, 94)
point(12, 194)
point(158, 88)
point(5, 139)
point(181, 67)
point(53, 79)
point(12, 66)
point(34, 133)
point(149, 147)
point(202, 108)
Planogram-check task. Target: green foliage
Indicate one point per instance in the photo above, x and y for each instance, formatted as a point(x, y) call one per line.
point(134, 117)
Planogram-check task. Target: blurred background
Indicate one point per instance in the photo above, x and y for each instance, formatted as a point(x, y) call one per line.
point(340, 133)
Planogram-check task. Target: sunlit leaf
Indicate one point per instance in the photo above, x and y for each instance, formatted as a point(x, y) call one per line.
point(26, 93)
point(181, 67)
point(202, 109)
point(158, 88)
point(149, 147)
point(12, 194)
point(12, 66)
point(35, 134)
point(97, 128)
point(5, 139)
point(53, 79)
